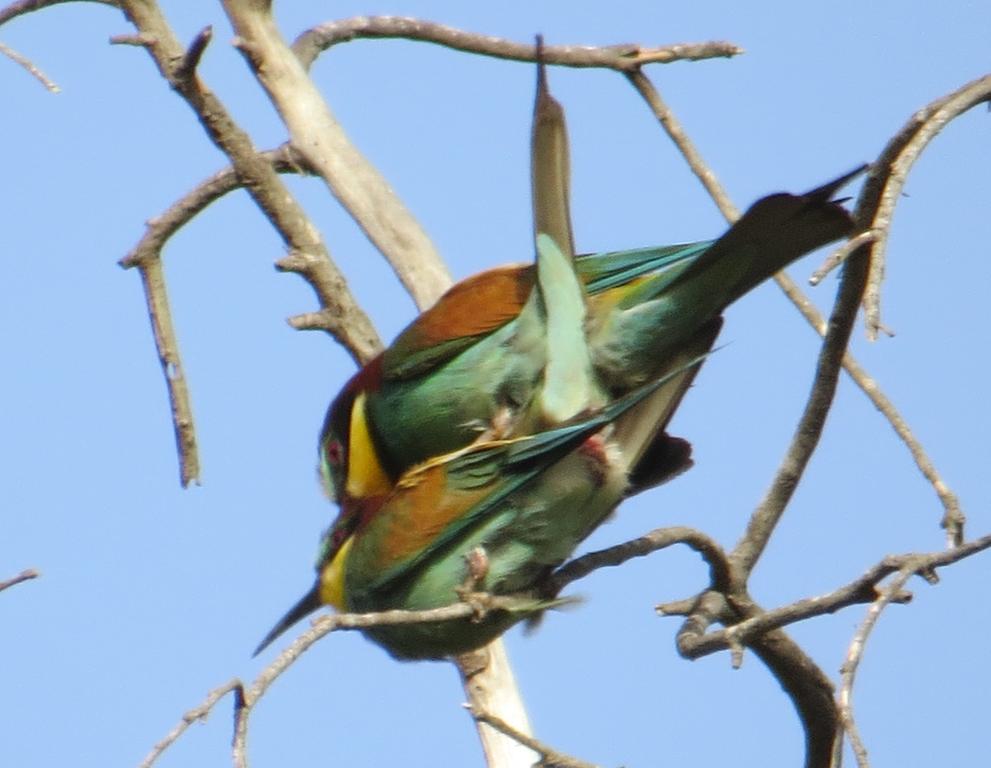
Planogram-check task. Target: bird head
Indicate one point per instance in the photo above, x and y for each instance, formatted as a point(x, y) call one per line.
point(350, 463)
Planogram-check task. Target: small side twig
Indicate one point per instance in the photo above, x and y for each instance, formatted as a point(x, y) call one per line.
point(855, 652)
point(25, 62)
point(162, 227)
point(841, 254)
point(191, 59)
point(549, 757)
point(913, 139)
point(196, 713)
point(23, 576)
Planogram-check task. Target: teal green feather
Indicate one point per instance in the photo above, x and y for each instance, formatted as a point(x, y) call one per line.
point(533, 499)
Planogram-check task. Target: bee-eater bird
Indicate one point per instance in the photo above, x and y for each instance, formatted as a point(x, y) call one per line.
point(527, 502)
point(469, 363)
point(518, 348)
point(518, 411)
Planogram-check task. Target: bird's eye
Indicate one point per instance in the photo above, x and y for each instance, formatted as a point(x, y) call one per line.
point(333, 451)
point(331, 468)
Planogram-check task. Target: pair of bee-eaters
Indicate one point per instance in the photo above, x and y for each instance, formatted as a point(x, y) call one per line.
point(508, 420)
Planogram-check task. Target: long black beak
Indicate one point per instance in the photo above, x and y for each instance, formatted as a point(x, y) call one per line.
point(307, 604)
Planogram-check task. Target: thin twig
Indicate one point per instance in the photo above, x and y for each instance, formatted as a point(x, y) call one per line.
point(311, 43)
point(167, 346)
point(23, 576)
point(809, 429)
point(549, 757)
point(841, 254)
point(163, 226)
point(855, 652)
point(360, 621)
point(922, 128)
point(25, 62)
point(196, 713)
point(641, 546)
point(676, 132)
point(245, 699)
point(146, 256)
point(953, 518)
point(16, 9)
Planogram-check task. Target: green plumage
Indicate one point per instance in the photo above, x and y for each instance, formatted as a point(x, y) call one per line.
point(526, 502)
point(509, 420)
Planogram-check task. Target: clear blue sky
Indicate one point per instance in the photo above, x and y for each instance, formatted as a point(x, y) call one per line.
point(152, 595)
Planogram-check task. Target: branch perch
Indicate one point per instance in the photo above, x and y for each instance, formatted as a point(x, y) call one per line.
point(311, 43)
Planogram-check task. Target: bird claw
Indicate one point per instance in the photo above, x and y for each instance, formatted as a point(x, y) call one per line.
point(478, 567)
point(480, 603)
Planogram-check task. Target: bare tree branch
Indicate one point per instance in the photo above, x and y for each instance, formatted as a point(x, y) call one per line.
point(490, 685)
point(343, 318)
point(765, 518)
point(167, 346)
point(921, 129)
point(859, 591)
point(317, 135)
point(952, 514)
point(810, 690)
point(804, 682)
point(311, 43)
point(23, 576)
point(162, 227)
point(658, 539)
point(353, 327)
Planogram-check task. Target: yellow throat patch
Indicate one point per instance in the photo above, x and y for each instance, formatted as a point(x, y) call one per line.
point(332, 578)
point(365, 474)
